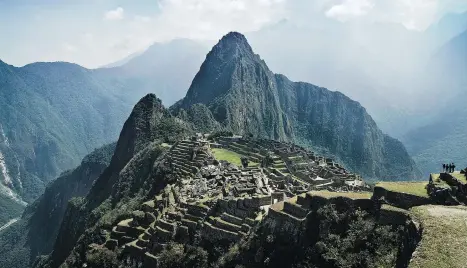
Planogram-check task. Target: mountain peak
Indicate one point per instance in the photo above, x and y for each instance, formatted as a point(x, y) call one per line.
point(233, 44)
point(234, 36)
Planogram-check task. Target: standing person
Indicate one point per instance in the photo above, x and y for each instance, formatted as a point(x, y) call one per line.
point(453, 167)
point(444, 168)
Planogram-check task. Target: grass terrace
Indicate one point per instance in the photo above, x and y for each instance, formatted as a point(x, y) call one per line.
point(459, 176)
point(443, 241)
point(438, 182)
point(352, 195)
point(230, 156)
point(414, 188)
point(455, 174)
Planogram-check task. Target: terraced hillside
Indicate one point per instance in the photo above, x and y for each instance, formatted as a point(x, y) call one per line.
point(275, 213)
point(287, 163)
point(213, 200)
point(218, 202)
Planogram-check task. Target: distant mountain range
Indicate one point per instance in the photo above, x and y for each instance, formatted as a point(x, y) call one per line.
point(443, 137)
point(51, 115)
point(164, 68)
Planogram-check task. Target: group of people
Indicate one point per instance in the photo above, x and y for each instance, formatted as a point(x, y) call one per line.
point(449, 168)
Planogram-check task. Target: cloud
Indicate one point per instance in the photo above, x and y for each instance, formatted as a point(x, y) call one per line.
point(207, 19)
point(417, 14)
point(69, 48)
point(116, 14)
point(349, 9)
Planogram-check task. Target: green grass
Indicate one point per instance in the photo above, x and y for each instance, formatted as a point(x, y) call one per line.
point(230, 156)
point(352, 195)
point(459, 176)
point(415, 188)
point(438, 182)
point(443, 241)
point(166, 145)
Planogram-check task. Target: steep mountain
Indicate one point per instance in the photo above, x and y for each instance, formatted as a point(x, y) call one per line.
point(52, 115)
point(35, 232)
point(246, 97)
point(441, 139)
point(164, 68)
point(134, 174)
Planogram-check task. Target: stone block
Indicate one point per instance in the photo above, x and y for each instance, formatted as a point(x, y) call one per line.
point(389, 215)
point(294, 210)
point(232, 219)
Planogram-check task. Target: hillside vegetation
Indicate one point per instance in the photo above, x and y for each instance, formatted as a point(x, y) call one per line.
point(35, 233)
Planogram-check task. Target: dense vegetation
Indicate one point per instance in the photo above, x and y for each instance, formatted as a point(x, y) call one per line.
point(51, 116)
point(9, 209)
point(35, 232)
point(335, 236)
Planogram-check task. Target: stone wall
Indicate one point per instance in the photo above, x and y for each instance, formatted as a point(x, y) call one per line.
point(279, 196)
point(389, 215)
point(397, 199)
point(295, 210)
point(212, 233)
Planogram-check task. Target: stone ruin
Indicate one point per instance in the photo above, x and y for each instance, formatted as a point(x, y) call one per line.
point(294, 169)
point(217, 201)
point(446, 189)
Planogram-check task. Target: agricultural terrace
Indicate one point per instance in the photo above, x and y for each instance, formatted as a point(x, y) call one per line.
point(414, 188)
point(230, 156)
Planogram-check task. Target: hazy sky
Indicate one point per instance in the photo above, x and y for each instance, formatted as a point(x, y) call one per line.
point(94, 33)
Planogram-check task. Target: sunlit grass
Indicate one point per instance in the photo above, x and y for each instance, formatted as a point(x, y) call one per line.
point(352, 195)
point(230, 156)
point(444, 240)
point(415, 188)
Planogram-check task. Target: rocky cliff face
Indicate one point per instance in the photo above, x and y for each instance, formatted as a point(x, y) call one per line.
point(247, 98)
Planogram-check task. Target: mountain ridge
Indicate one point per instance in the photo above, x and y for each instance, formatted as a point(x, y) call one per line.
point(247, 98)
